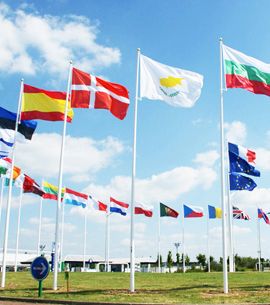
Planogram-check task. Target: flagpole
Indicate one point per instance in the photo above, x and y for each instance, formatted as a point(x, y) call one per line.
point(5, 245)
point(107, 241)
point(259, 244)
point(1, 196)
point(62, 231)
point(40, 224)
point(18, 229)
point(183, 242)
point(224, 217)
point(159, 241)
point(84, 240)
point(208, 248)
point(132, 246)
point(60, 178)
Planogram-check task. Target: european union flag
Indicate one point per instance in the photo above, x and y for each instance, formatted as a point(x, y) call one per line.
point(241, 183)
point(239, 165)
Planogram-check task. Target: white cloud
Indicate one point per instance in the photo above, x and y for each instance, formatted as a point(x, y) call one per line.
point(235, 132)
point(246, 199)
point(241, 230)
point(83, 156)
point(31, 42)
point(207, 159)
point(262, 159)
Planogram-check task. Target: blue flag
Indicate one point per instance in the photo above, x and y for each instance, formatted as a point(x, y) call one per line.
point(241, 183)
point(240, 165)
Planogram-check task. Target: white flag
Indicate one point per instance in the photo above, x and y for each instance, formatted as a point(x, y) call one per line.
point(177, 87)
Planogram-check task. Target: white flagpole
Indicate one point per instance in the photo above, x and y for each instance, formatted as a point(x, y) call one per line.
point(183, 242)
point(84, 240)
point(1, 196)
point(5, 245)
point(208, 247)
point(39, 226)
point(62, 231)
point(18, 229)
point(224, 216)
point(107, 241)
point(60, 178)
point(159, 241)
point(132, 246)
point(259, 244)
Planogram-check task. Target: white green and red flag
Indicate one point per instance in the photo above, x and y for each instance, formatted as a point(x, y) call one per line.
point(246, 72)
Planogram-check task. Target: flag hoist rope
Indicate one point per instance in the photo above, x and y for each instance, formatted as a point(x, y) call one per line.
point(60, 178)
point(5, 245)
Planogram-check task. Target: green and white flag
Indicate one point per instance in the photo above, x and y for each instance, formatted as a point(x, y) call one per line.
point(177, 87)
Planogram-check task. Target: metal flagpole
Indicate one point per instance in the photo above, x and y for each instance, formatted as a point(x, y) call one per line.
point(62, 231)
point(224, 216)
point(132, 247)
point(183, 242)
point(39, 226)
point(259, 244)
point(5, 245)
point(1, 196)
point(208, 247)
point(84, 240)
point(60, 178)
point(18, 229)
point(107, 241)
point(159, 241)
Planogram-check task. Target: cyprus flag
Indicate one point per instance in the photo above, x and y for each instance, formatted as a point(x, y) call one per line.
point(177, 87)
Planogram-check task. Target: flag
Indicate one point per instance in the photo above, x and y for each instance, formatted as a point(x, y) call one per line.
point(44, 105)
point(6, 162)
point(8, 123)
point(75, 198)
point(6, 143)
point(143, 209)
point(262, 214)
point(243, 152)
point(214, 212)
point(246, 72)
point(118, 207)
point(192, 211)
point(30, 186)
point(239, 165)
point(4, 166)
point(97, 205)
point(239, 214)
point(241, 183)
point(166, 211)
point(89, 91)
point(51, 191)
point(177, 87)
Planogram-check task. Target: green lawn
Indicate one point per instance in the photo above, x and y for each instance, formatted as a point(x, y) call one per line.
point(246, 287)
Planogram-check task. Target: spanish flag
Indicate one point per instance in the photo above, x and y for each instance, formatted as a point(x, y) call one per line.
point(44, 105)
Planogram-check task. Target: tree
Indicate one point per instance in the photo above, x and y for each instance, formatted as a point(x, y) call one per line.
point(178, 260)
point(187, 259)
point(201, 258)
point(169, 260)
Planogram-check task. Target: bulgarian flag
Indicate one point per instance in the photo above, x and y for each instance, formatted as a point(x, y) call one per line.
point(166, 211)
point(242, 71)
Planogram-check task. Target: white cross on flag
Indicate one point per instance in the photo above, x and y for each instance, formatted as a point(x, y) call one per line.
point(89, 91)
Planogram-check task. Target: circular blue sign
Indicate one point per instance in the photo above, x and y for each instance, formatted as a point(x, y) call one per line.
point(40, 268)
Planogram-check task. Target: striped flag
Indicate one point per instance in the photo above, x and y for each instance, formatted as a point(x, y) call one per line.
point(143, 209)
point(75, 198)
point(117, 206)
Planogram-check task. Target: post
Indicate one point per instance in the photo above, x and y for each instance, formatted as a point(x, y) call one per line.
point(84, 241)
point(259, 244)
point(5, 245)
point(107, 241)
point(224, 216)
point(1, 196)
point(132, 247)
point(62, 231)
point(60, 178)
point(183, 242)
point(40, 289)
point(18, 229)
point(39, 226)
point(208, 247)
point(159, 269)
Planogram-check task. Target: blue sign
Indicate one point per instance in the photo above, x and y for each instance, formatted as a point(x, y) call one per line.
point(40, 268)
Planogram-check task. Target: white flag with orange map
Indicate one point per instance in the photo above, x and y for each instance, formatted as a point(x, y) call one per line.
point(177, 87)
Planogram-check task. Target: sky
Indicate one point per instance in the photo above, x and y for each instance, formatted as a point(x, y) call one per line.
point(178, 149)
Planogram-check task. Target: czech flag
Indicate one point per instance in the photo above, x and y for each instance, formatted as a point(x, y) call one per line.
point(192, 211)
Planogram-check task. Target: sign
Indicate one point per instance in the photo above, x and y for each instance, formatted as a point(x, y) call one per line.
point(40, 268)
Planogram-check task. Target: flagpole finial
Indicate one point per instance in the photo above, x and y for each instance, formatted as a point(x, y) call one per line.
point(138, 49)
point(70, 62)
point(220, 39)
point(22, 79)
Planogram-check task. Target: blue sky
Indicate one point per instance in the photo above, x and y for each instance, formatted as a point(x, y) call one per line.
point(178, 149)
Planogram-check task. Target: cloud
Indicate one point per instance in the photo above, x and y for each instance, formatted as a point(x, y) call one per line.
point(207, 159)
point(83, 156)
point(251, 199)
point(235, 132)
point(31, 43)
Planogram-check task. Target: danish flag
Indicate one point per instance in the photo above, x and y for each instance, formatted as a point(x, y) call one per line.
point(89, 91)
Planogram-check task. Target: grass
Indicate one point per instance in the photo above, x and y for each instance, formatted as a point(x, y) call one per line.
point(244, 287)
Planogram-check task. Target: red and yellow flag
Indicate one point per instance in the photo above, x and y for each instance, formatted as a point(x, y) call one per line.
point(44, 105)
